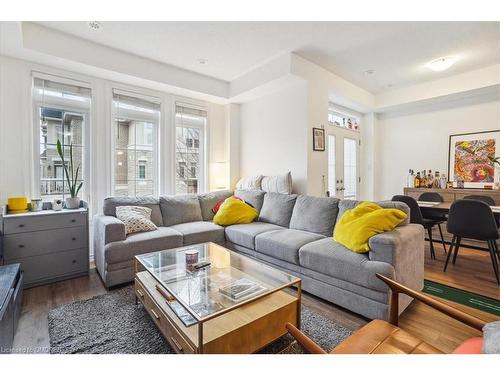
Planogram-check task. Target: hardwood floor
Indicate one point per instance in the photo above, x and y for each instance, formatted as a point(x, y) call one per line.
point(472, 271)
point(32, 334)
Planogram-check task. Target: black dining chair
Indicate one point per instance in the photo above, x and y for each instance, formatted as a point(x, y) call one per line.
point(473, 219)
point(417, 218)
point(429, 213)
point(484, 198)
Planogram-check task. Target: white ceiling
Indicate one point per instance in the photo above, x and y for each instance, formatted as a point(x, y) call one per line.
point(396, 51)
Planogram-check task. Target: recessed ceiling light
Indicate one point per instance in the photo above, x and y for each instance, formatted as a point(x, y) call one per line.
point(202, 61)
point(442, 63)
point(389, 85)
point(94, 25)
point(369, 72)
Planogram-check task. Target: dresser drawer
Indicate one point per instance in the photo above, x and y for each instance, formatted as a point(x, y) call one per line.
point(33, 223)
point(54, 265)
point(23, 245)
point(162, 321)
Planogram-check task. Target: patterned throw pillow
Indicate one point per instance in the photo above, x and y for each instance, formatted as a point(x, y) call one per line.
point(135, 218)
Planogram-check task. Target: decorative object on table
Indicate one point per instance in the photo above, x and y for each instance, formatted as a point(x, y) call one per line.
point(472, 158)
point(191, 258)
point(57, 204)
point(318, 139)
point(36, 204)
point(17, 204)
point(459, 182)
point(443, 182)
point(71, 177)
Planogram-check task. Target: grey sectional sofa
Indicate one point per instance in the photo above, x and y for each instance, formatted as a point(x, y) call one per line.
point(293, 233)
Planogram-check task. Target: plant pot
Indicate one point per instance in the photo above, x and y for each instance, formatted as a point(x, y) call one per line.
point(73, 203)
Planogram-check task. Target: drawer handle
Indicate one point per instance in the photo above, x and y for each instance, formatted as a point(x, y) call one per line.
point(140, 293)
point(21, 225)
point(73, 261)
point(21, 246)
point(73, 239)
point(73, 220)
point(155, 314)
point(177, 345)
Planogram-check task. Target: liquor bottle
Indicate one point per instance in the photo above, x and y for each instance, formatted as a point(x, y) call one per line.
point(443, 181)
point(436, 180)
point(430, 179)
point(410, 179)
point(417, 180)
point(423, 179)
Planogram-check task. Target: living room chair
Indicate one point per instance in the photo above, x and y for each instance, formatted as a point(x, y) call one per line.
point(381, 337)
point(416, 217)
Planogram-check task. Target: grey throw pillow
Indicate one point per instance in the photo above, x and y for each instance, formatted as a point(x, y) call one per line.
point(135, 218)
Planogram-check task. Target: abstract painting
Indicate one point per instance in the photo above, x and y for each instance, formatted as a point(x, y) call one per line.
point(472, 158)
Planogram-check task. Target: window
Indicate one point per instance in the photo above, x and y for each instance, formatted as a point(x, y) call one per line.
point(342, 119)
point(332, 186)
point(61, 112)
point(190, 126)
point(350, 168)
point(136, 122)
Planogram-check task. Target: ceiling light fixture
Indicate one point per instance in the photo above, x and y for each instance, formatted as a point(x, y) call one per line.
point(369, 72)
point(94, 25)
point(442, 63)
point(202, 61)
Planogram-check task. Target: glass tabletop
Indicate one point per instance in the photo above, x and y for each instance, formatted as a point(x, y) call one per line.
point(229, 280)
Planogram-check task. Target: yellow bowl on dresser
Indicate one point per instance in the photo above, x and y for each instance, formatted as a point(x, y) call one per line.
point(17, 204)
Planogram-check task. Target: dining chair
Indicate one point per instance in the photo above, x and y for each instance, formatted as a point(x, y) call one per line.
point(473, 219)
point(417, 218)
point(431, 214)
point(484, 198)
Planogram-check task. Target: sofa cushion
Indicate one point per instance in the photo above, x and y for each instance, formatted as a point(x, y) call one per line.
point(235, 211)
point(180, 209)
point(110, 204)
point(277, 208)
point(209, 200)
point(135, 218)
point(140, 243)
point(244, 234)
point(331, 258)
point(347, 204)
point(277, 184)
point(284, 244)
point(200, 231)
point(252, 197)
point(315, 214)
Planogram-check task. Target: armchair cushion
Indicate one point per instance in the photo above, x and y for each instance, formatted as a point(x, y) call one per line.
point(108, 229)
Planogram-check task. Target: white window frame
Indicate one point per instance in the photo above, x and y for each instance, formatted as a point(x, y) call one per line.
point(147, 96)
point(204, 142)
point(86, 144)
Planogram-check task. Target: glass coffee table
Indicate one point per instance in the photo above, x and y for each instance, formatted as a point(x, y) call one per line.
point(236, 304)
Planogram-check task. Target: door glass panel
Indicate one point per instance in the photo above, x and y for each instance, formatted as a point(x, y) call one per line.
point(350, 169)
point(331, 166)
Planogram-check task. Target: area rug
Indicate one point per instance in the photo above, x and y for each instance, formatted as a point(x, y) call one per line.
point(113, 324)
point(463, 297)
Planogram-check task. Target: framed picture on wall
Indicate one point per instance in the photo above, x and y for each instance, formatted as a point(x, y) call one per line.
point(318, 139)
point(471, 158)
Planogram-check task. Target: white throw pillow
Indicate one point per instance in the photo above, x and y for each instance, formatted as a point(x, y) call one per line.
point(249, 183)
point(135, 218)
point(277, 184)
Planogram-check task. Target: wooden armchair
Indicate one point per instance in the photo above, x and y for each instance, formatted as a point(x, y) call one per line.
point(381, 337)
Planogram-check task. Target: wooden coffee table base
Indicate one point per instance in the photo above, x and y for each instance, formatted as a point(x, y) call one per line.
point(243, 330)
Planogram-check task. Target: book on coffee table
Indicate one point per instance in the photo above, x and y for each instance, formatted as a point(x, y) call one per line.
point(241, 288)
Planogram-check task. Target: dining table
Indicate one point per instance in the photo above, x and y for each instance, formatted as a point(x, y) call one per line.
point(444, 207)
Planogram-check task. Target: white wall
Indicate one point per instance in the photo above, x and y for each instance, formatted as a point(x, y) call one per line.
point(420, 141)
point(274, 135)
point(17, 132)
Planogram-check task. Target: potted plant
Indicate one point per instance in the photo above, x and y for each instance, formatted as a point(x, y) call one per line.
point(71, 177)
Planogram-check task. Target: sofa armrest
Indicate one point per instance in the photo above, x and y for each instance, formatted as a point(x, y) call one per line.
point(108, 229)
point(403, 248)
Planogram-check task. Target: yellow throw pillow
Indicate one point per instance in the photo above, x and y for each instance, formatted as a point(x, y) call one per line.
point(235, 211)
point(367, 219)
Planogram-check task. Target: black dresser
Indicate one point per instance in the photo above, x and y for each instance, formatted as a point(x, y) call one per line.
point(11, 296)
